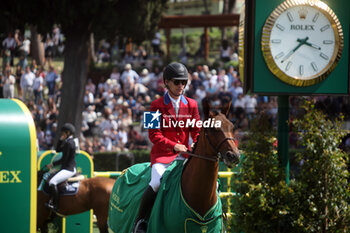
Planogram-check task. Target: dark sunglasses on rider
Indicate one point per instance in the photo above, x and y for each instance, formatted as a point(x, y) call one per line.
point(177, 82)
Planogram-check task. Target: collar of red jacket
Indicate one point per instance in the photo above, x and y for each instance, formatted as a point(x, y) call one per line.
point(167, 99)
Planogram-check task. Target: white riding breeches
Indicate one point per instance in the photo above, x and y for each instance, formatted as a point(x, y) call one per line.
point(62, 176)
point(158, 170)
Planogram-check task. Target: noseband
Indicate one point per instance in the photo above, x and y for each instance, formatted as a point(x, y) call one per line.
point(216, 149)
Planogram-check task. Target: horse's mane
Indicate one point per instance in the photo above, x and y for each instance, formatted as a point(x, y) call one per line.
point(216, 112)
point(195, 145)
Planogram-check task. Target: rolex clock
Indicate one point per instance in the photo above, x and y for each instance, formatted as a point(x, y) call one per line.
point(302, 42)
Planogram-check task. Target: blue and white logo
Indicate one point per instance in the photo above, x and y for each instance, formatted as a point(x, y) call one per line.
point(151, 120)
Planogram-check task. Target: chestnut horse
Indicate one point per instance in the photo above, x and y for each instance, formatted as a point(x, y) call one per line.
point(199, 177)
point(94, 193)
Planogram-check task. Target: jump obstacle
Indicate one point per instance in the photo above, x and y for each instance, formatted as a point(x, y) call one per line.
point(82, 222)
point(18, 173)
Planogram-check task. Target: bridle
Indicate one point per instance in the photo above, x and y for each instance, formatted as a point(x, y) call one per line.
point(216, 149)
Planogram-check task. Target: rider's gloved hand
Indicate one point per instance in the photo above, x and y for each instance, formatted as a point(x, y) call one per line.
point(180, 148)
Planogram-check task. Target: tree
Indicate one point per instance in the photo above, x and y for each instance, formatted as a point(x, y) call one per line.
point(317, 200)
point(262, 201)
point(137, 19)
point(322, 195)
point(228, 8)
point(38, 50)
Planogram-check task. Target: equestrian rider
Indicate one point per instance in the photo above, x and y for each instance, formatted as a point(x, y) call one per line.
point(168, 141)
point(66, 145)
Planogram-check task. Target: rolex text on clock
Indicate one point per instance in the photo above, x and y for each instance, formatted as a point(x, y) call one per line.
point(302, 41)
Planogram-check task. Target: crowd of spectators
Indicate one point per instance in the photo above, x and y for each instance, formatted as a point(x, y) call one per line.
point(113, 106)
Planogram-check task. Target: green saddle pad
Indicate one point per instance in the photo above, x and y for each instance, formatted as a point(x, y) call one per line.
point(170, 213)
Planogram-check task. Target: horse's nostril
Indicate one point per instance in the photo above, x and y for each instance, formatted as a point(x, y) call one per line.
point(233, 156)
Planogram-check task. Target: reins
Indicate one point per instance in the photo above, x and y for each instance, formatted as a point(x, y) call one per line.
point(216, 149)
point(200, 156)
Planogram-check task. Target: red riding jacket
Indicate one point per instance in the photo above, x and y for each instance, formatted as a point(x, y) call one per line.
point(173, 130)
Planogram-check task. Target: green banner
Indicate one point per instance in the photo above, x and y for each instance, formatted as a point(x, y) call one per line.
point(18, 176)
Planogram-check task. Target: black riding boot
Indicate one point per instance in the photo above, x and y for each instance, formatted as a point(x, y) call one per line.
point(55, 198)
point(146, 205)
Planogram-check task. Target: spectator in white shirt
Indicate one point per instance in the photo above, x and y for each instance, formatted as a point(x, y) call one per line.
point(25, 47)
point(145, 78)
point(223, 80)
point(106, 141)
point(250, 105)
point(115, 74)
point(123, 137)
point(240, 102)
point(236, 89)
point(129, 78)
point(38, 86)
point(9, 44)
point(108, 123)
point(200, 92)
point(91, 86)
point(9, 84)
point(27, 81)
point(90, 116)
point(88, 98)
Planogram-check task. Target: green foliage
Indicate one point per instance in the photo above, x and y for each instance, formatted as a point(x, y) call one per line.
point(137, 19)
point(322, 192)
point(192, 37)
point(318, 200)
point(262, 203)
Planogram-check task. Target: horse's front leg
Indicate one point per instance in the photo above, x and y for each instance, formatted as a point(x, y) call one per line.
point(102, 223)
point(44, 227)
point(104, 228)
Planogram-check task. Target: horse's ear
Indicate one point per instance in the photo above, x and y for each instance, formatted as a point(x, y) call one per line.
point(206, 107)
point(226, 108)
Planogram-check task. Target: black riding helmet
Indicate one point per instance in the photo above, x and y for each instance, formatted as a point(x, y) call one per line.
point(176, 71)
point(68, 127)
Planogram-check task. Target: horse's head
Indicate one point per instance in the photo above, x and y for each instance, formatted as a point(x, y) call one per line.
point(220, 140)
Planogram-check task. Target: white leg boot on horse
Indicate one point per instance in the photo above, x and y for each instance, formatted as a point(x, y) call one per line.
point(146, 205)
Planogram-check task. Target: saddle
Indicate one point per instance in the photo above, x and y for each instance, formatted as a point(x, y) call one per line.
point(68, 187)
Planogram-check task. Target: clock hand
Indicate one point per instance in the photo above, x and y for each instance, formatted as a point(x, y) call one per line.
point(301, 42)
point(312, 45)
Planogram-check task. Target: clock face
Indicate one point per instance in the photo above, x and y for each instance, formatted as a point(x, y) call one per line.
point(302, 43)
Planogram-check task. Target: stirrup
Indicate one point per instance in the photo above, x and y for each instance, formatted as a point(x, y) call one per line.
point(140, 226)
point(51, 206)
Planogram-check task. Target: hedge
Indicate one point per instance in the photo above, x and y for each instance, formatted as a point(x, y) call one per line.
point(109, 161)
